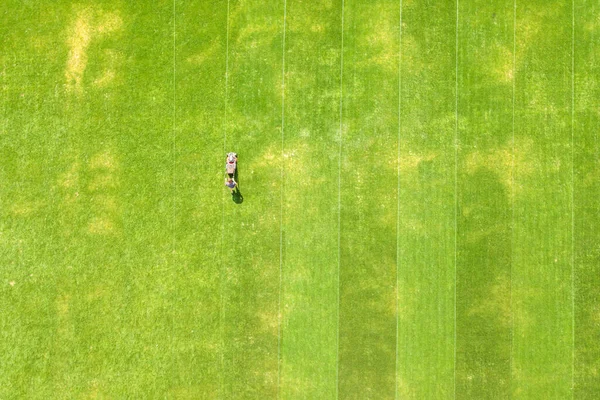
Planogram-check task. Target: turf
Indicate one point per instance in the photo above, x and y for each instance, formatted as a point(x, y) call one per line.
point(309, 291)
point(417, 215)
point(484, 187)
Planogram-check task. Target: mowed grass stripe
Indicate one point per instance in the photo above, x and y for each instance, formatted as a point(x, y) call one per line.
point(484, 200)
point(309, 292)
point(368, 201)
point(199, 162)
point(587, 193)
point(144, 333)
point(542, 302)
point(426, 280)
point(252, 228)
point(30, 129)
point(101, 333)
point(137, 161)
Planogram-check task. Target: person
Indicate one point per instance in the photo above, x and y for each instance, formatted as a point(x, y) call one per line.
point(231, 184)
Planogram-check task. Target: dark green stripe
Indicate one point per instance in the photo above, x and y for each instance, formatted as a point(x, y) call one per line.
point(198, 144)
point(252, 228)
point(542, 262)
point(587, 207)
point(369, 201)
point(483, 319)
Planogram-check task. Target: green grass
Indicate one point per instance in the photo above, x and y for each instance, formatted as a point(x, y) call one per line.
point(419, 215)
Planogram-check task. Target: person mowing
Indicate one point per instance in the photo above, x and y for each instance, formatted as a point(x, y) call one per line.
point(230, 168)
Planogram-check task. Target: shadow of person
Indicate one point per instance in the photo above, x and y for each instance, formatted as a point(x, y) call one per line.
point(237, 197)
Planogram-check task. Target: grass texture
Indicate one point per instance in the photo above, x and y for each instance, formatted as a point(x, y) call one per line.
point(417, 218)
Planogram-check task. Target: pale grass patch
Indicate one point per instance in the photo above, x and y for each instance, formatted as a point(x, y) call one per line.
point(523, 316)
point(317, 28)
point(103, 160)
point(404, 389)
point(528, 30)
point(412, 55)
point(89, 24)
point(410, 161)
point(200, 58)
point(106, 79)
point(500, 160)
point(304, 133)
point(414, 225)
point(502, 65)
point(79, 40)
point(264, 32)
point(70, 179)
point(592, 25)
point(107, 22)
point(102, 182)
point(496, 302)
point(269, 322)
point(101, 226)
point(97, 293)
point(62, 305)
point(385, 39)
point(271, 157)
point(26, 208)
point(94, 390)
point(105, 202)
point(296, 159)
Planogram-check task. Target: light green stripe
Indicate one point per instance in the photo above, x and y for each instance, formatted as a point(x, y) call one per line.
point(199, 165)
point(309, 302)
point(427, 197)
point(252, 241)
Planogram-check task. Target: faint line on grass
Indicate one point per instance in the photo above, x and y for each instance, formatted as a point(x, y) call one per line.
point(398, 196)
point(222, 270)
point(455, 183)
point(337, 364)
point(512, 194)
point(173, 145)
point(573, 197)
point(279, 315)
point(173, 136)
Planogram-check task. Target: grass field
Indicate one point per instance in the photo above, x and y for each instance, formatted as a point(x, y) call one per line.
point(419, 215)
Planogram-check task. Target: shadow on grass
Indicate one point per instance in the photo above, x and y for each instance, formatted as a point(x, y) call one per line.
point(237, 197)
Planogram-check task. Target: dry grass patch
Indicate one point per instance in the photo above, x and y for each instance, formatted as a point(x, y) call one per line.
point(89, 24)
point(101, 226)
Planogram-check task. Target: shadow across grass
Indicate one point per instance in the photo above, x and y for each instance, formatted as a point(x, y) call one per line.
point(237, 196)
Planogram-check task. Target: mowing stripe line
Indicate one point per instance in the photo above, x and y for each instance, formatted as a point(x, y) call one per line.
point(337, 365)
point(222, 277)
point(573, 197)
point(173, 138)
point(512, 195)
point(173, 150)
point(398, 198)
point(455, 187)
point(281, 202)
